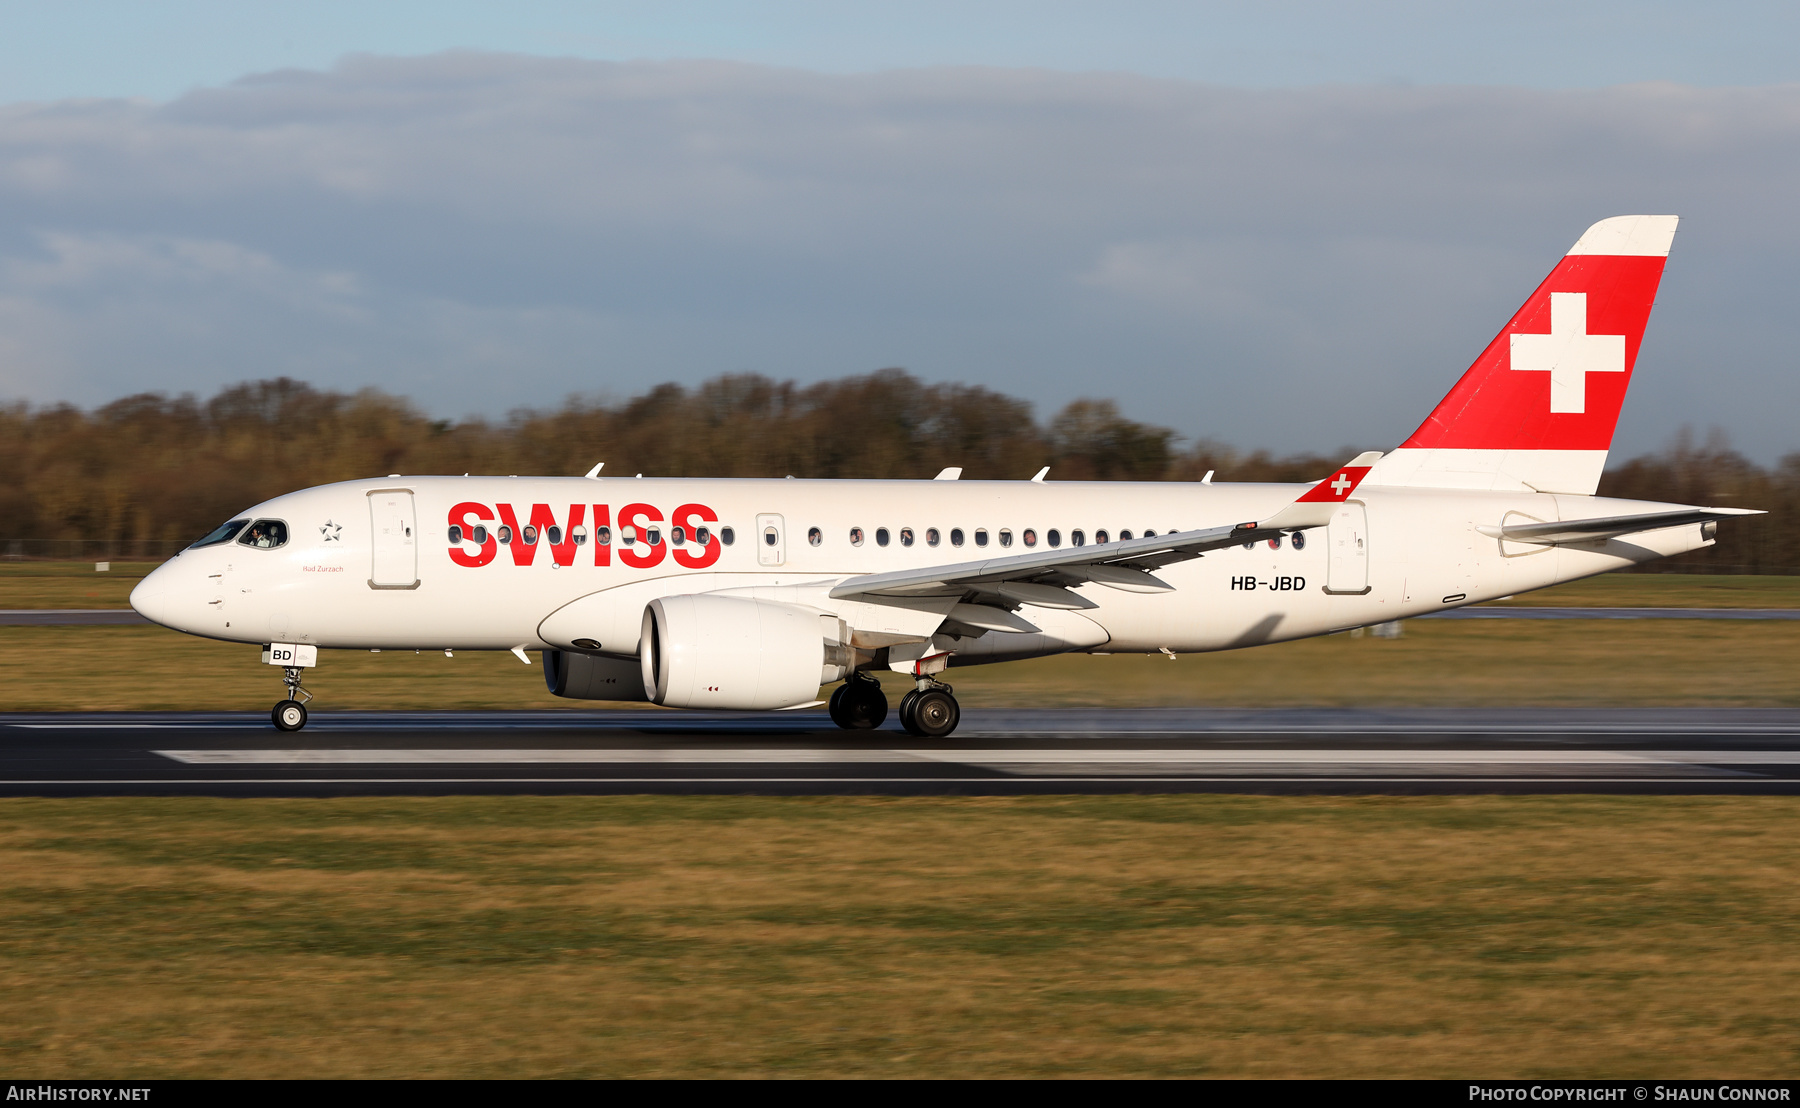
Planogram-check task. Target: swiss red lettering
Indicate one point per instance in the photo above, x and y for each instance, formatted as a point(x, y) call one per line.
point(642, 554)
point(685, 517)
point(638, 519)
point(459, 517)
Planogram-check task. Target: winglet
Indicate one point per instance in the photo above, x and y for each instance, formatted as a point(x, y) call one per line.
point(1314, 507)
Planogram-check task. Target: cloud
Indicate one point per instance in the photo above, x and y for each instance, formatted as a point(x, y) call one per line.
point(1299, 268)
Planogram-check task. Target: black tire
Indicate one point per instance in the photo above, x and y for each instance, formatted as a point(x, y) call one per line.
point(836, 706)
point(935, 714)
point(906, 710)
point(865, 706)
point(289, 715)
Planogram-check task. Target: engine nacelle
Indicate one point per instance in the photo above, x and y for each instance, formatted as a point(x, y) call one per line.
point(590, 677)
point(708, 651)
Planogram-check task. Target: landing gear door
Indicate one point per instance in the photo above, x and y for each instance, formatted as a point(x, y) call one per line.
point(1347, 539)
point(395, 542)
point(771, 540)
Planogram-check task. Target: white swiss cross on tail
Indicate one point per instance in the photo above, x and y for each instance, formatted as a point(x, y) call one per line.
point(1568, 353)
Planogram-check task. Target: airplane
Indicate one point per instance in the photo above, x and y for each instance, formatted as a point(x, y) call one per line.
point(753, 594)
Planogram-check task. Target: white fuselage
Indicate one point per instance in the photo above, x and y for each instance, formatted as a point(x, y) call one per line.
point(1391, 552)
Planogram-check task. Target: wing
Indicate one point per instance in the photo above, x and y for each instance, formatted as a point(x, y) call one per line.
point(1608, 527)
point(991, 589)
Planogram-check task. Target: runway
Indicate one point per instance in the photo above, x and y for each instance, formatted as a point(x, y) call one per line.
point(995, 752)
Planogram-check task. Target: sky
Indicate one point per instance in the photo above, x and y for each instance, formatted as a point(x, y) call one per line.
point(1284, 225)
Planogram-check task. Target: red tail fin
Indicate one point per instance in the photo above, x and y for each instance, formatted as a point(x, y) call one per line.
point(1538, 407)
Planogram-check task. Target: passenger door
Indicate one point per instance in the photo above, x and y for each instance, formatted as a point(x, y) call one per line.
point(394, 540)
point(1347, 539)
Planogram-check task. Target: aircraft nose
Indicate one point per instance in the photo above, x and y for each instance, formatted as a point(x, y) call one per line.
point(160, 598)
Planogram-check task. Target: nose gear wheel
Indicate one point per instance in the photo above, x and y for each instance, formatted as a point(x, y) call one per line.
point(290, 714)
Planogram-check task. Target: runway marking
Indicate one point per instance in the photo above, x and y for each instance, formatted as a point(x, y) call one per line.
point(107, 726)
point(678, 755)
point(1046, 760)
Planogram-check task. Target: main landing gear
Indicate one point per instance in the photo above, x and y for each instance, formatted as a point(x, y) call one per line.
point(929, 711)
point(858, 704)
point(290, 714)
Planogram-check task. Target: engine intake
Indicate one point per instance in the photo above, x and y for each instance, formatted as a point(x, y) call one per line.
point(709, 651)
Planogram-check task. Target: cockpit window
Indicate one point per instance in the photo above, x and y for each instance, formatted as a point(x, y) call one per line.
point(225, 533)
point(265, 534)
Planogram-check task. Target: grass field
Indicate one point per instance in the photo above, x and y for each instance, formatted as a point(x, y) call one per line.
point(1129, 936)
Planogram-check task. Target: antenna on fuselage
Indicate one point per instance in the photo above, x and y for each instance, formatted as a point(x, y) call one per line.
point(594, 474)
point(949, 473)
point(1041, 474)
point(1207, 480)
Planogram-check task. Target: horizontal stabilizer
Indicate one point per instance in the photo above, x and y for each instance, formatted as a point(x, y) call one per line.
point(1608, 527)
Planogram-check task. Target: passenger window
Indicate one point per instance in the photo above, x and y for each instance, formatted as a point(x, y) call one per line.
point(579, 534)
point(554, 534)
point(1149, 534)
point(505, 535)
point(628, 536)
point(814, 536)
point(980, 537)
point(678, 535)
point(1005, 537)
point(703, 536)
point(1099, 537)
point(1053, 537)
point(856, 536)
point(1275, 543)
point(1030, 537)
point(771, 536)
point(727, 535)
point(931, 536)
point(479, 535)
point(1299, 538)
point(653, 536)
point(455, 535)
point(529, 534)
point(603, 536)
point(906, 536)
point(225, 532)
point(1124, 536)
point(266, 534)
point(881, 536)
point(1076, 538)
point(956, 536)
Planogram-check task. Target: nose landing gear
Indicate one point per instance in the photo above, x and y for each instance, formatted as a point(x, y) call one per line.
point(930, 711)
point(290, 714)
